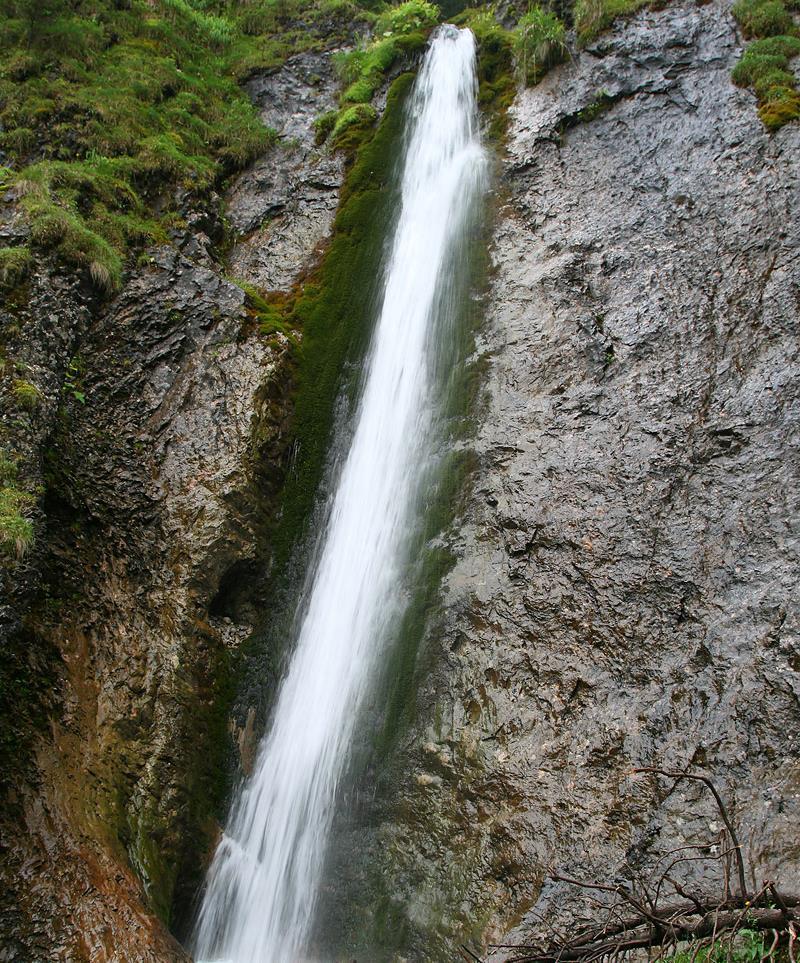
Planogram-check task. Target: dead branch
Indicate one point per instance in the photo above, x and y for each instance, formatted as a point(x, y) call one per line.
point(678, 776)
point(639, 919)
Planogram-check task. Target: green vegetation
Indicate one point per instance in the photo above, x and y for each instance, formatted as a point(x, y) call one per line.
point(539, 43)
point(268, 314)
point(496, 83)
point(602, 102)
point(745, 946)
point(107, 107)
point(333, 309)
point(592, 17)
point(398, 32)
point(16, 530)
point(26, 394)
point(764, 66)
point(15, 263)
point(763, 18)
point(351, 127)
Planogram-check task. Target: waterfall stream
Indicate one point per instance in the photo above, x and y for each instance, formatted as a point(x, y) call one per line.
point(262, 886)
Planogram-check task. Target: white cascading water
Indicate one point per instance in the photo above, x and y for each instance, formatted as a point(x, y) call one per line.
point(262, 885)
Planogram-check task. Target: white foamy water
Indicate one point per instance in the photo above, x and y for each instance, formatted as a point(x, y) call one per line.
point(262, 886)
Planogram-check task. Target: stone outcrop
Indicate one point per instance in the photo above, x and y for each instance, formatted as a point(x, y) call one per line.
point(160, 442)
point(283, 207)
point(627, 578)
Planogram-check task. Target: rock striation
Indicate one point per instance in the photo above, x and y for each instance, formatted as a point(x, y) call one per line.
point(160, 444)
point(625, 582)
point(625, 591)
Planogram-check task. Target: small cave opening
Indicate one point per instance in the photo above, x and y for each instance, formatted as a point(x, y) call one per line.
point(240, 594)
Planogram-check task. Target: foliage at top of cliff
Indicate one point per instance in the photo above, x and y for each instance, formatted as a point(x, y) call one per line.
point(764, 66)
point(108, 107)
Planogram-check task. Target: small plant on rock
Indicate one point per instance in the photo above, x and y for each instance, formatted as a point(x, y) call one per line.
point(16, 531)
point(539, 43)
point(15, 263)
point(592, 17)
point(26, 394)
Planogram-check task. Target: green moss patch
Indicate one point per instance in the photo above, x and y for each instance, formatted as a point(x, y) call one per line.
point(16, 528)
point(496, 82)
point(334, 306)
point(763, 18)
point(764, 65)
point(106, 108)
point(15, 262)
point(399, 32)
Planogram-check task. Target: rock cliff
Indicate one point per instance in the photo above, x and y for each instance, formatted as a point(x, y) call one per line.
point(624, 589)
point(160, 442)
point(626, 584)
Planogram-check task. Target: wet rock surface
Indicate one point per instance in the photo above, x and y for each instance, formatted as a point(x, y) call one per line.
point(283, 207)
point(627, 578)
point(160, 444)
point(149, 499)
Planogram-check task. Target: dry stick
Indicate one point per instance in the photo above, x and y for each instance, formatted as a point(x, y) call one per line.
point(470, 955)
point(792, 938)
point(677, 776)
point(698, 944)
point(726, 876)
point(613, 889)
point(694, 859)
point(681, 892)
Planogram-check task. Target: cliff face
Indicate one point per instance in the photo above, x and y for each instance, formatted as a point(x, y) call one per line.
point(626, 578)
point(160, 442)
point(626, 586)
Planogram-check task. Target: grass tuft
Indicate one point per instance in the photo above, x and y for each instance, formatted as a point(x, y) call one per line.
point(400, 31)
point(15, 262)
point(539, 43)
point(107, 108)
point(763, 18)
point(592, 17)
point(16, 530)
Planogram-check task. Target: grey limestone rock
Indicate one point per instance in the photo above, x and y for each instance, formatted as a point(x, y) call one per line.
point(626, 590)
point(283, 207)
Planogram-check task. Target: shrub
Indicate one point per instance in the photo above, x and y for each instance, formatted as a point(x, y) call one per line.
point(539, 43)
point(407, 17)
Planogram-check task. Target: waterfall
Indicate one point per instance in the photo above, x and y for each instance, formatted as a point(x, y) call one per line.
point(262, 886)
